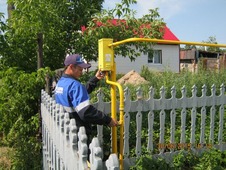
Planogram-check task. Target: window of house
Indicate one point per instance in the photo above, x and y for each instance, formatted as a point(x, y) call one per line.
point(155, 57)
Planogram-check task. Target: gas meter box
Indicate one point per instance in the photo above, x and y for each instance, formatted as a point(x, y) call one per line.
point(106, 55)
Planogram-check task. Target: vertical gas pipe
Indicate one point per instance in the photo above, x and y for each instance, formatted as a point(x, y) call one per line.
point(107, 64)
point(121, 118)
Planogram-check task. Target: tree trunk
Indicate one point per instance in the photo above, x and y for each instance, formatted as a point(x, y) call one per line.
point(40, 50)
point(40, 65)
point(10, 8)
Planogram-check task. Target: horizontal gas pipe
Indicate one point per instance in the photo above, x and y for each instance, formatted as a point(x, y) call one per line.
point(165, 42)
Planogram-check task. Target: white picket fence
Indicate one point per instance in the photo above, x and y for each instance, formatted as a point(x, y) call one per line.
point(64, 145)
point(163, 126)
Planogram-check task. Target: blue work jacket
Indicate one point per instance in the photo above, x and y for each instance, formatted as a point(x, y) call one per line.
point(74, 98)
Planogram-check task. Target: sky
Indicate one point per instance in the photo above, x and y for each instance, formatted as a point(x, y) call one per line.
point(189, 20)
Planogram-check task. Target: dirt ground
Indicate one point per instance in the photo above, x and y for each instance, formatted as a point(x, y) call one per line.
point(4, 158)
point(132, 77)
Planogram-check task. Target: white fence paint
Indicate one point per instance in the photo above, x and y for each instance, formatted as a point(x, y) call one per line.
point(177, 127)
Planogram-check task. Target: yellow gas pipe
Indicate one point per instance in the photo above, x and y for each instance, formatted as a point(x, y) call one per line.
point(164, 42)
point(121, 119)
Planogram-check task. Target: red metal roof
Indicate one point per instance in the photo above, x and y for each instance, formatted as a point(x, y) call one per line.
point(169, 35)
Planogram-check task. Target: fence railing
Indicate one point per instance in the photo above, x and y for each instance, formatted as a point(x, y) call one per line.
point(160, 127)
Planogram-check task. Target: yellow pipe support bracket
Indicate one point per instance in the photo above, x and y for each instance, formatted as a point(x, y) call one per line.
point(164, 42)
point(121, 118)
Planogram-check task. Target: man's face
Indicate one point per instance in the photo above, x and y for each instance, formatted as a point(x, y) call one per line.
point(77, 71)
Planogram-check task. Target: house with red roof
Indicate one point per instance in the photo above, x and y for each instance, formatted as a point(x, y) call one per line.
point(165, 57)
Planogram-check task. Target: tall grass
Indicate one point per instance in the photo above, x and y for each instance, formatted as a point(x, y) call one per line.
point(188, 79)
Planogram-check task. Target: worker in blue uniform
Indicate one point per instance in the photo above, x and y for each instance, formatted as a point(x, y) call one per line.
point(74, 96)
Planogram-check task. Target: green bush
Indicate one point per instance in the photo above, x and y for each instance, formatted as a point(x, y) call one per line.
point(27, 146)
point(148, 162)
point(20, 94)
point(210, 160)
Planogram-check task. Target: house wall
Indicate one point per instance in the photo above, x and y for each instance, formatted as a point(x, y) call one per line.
point(170, 61)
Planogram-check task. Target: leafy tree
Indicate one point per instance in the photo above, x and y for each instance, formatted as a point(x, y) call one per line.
point(3, 27)
point(211, 40)
point(187, 47)
point(43, 28)
point(50, 29)
point(119, 24)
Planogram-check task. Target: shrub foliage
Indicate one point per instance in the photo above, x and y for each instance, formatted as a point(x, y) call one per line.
point(19, 115)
